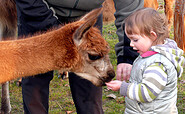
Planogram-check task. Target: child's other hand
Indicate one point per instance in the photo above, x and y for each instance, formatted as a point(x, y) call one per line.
point(123, 71)
point(114, 85)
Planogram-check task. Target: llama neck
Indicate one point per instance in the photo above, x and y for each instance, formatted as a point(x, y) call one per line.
point(39, 54)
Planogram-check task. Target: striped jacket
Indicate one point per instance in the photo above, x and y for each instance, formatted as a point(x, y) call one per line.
point(153, 80)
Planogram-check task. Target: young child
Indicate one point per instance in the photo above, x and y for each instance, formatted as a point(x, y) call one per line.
point(152, 86)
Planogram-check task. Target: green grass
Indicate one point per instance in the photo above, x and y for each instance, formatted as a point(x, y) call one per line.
point(60, 100)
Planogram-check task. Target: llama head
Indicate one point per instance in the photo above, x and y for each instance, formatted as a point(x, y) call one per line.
point(93, 50)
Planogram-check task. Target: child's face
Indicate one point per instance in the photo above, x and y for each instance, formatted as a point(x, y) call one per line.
point(140, 43)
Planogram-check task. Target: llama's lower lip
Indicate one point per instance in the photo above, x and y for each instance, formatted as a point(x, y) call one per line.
point(104, 80)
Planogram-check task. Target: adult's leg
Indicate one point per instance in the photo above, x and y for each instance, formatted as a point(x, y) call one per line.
point(35, 91)
point(86, 96)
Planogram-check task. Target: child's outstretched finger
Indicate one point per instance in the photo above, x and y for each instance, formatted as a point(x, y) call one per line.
point(114, 85)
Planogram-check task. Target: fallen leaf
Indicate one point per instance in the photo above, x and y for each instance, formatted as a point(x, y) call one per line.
point(112, 96)
point(106, 89)
point(68, 112)
point(66, 85)
point(182, 81)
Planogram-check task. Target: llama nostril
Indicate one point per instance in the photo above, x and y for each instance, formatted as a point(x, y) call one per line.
point(111, 73)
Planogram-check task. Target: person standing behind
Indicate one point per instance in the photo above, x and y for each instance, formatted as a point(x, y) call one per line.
point(152, 87)
point(40, 15)
point(125, 54)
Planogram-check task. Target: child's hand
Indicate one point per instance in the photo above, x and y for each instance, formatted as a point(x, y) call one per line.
point(114, 85)
point(123, 71)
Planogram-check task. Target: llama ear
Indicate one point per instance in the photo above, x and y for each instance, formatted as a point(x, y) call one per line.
point(90, 19)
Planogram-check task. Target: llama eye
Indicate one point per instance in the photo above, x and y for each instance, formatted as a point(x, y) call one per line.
point(94, 57)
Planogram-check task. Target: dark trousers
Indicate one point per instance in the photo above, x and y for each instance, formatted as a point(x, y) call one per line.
point(35, 93)
point(86, 96)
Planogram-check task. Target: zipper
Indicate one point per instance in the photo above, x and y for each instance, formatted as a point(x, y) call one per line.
point(70, 12)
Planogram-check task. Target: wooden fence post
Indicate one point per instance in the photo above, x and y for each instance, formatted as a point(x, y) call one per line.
point(179, 23)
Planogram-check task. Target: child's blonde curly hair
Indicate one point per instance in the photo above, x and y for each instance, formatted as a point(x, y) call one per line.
point(145, 20)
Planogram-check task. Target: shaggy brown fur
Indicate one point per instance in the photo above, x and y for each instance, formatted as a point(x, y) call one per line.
point(179, 23)
point(151, 3)
point(8, 25)
point(168, 8)
point(66, 48)
point(108, 11)
point(8, 18)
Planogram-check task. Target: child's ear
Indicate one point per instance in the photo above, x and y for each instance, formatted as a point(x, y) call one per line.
point(154, 35)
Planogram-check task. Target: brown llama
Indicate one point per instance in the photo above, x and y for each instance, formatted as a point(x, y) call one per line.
point(8, 25)
point(179, 23)
point(169, 11)
point(108, 11)
point(78, 47)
